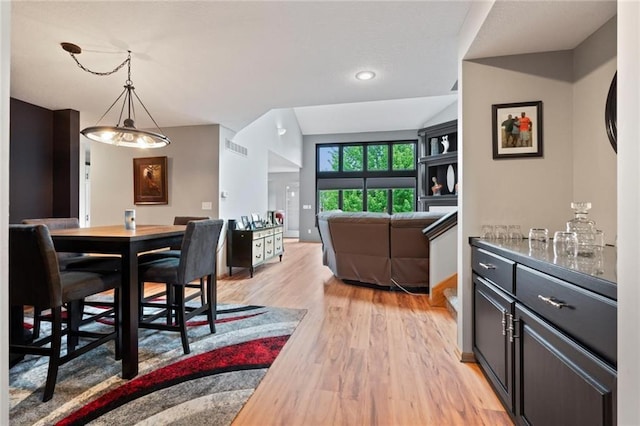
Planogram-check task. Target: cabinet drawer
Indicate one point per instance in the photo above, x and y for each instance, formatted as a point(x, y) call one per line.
point(277, 243)
point(268, 247)
point(258, 251)
point(587, 317)
point(493, 267)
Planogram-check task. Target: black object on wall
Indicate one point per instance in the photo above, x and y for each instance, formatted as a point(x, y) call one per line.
point(44, 163)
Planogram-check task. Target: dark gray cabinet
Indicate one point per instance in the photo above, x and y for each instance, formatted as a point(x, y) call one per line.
point(545, 335)
point(492, 338)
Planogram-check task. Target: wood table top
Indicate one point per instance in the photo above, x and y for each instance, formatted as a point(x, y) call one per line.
point(119, 231)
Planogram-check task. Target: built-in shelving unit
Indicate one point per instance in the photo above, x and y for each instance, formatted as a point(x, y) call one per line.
point(433, 162)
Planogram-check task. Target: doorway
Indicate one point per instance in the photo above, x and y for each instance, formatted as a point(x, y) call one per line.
point(292, 210)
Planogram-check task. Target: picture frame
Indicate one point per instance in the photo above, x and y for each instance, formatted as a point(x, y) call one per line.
point(245, 222)
point(150, 180)
point(510, 140)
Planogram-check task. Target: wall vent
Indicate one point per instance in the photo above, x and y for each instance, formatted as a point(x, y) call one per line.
point(237, 148)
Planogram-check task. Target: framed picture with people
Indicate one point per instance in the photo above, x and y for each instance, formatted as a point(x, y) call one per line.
point(517, 129)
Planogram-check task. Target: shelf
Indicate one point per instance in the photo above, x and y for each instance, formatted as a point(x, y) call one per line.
point(448, 158)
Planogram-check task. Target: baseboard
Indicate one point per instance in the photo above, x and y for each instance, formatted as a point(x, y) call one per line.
point(465, 356)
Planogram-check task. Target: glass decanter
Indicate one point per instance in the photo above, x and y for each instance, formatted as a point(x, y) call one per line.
point(584, 228)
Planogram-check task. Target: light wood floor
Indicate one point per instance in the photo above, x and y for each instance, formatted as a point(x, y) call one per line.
point(360, 356)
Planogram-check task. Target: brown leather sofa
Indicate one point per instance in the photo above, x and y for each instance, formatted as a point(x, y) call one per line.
point(377, 248)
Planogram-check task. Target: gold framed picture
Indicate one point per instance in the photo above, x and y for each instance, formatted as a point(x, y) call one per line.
point(150, 180)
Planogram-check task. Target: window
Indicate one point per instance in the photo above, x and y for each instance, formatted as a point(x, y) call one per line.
point(352, 159)
point(328, 200)
point(404, 156)
point(403, 200)
point(377, 200)
point(370, 176)
point(328, 160)
point(378, 157)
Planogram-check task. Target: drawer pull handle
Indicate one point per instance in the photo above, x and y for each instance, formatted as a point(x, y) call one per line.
point(552, 301)
point(487, 265)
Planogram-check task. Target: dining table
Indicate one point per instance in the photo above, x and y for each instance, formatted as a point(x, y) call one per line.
point(128, 243)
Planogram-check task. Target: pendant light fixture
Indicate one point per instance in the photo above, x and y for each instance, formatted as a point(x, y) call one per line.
point(124, 133)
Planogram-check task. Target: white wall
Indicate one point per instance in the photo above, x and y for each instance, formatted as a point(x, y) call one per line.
point(5, 68)
point(594, 160)
point(628, 213)
point(448, 114)
point(192, 178)
point(245, 178)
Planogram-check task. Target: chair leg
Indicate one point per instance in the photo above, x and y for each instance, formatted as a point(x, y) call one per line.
point(74, 318)
point(182, 323)
point(54, 358)
point(37, 312)
point(212, 302)
point(140, 299)
point(202, 292)
point(171, 302)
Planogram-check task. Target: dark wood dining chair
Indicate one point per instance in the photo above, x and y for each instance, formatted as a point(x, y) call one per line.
point(77, 262)
point(197, 260)
point(173, 252)
point(36, 280)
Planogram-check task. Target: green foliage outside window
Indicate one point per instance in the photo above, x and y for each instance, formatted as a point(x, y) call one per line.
point(352, 200)
point(404, 157)
point(378, 157)
point(377, 200)
point(328, 200)
point(352, 159)
point(403, 200)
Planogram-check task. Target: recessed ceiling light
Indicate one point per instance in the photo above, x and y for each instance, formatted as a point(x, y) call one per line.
point(365, 75)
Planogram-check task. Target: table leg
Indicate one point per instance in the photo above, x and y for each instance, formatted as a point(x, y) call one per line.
point(129, 319)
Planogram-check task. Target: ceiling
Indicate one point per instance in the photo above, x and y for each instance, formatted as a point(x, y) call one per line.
point(217, 62)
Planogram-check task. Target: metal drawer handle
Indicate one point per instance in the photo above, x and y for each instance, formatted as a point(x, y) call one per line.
point(504, 322)
point(487, 265)
point(552, 301)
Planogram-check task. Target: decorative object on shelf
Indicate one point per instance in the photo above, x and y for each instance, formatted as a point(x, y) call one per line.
point(451, 178)
point(436, 188)
point(435, 147)
point(610, 113)
point(245, 222)
point(456, 187)
point(584, 228)
point(517, 130)
point(445, 143)
point(150, 180)
point(124, 134)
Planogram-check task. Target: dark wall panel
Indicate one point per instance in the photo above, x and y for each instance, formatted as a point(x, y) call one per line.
point(30, 161)
point(66, 155)
point(44, 162)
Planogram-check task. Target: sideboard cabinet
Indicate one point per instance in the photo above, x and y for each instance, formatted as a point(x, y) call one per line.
point(545, 333)
point(250, 248)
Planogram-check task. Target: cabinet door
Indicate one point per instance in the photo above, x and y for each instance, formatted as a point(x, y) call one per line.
point(558, 382)
point(492, 346)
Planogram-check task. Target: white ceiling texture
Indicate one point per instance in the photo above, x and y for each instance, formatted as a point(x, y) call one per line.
point(229, 62)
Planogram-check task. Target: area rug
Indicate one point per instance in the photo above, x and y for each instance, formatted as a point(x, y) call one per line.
point(208, 386)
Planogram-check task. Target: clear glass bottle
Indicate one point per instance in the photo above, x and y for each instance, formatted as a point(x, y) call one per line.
point(584, 228)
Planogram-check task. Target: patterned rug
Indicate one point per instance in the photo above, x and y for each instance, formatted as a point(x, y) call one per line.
point(208, 386)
